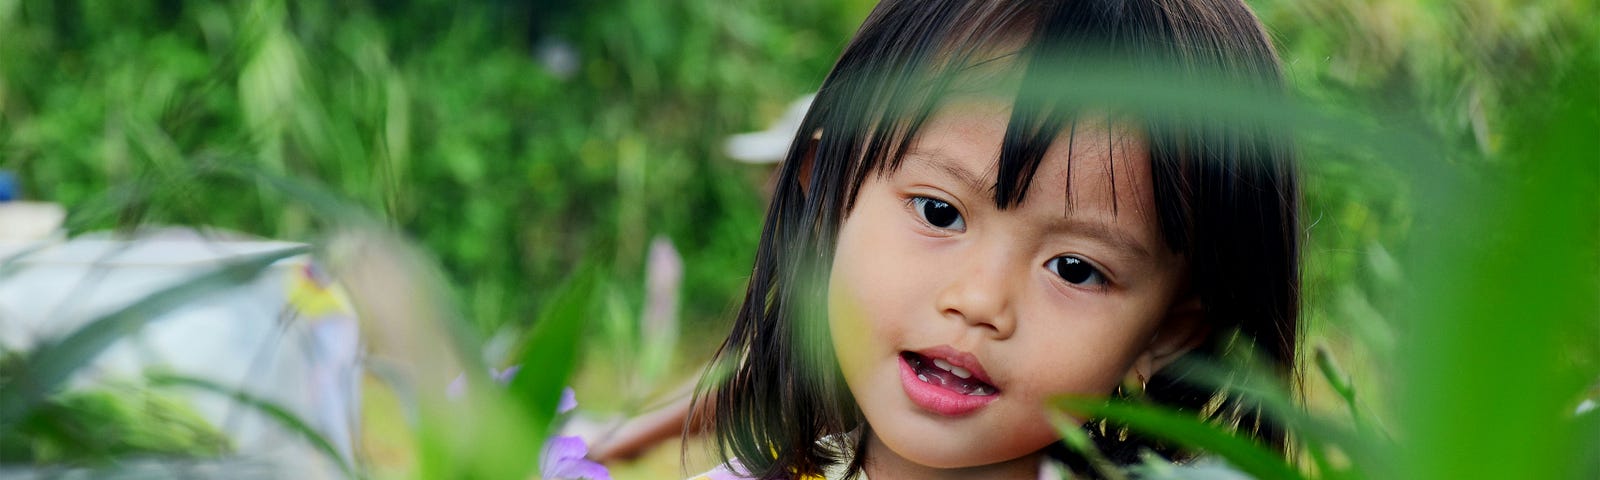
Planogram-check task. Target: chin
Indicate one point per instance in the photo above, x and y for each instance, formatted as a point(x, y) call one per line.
point(936, 457)
point(949, 450)
point(950, 463)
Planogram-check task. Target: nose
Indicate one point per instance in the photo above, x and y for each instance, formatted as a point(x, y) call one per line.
point(980, 292)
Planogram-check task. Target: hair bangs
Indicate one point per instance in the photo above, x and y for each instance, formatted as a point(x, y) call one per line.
point(889, 91)
point(881, 95)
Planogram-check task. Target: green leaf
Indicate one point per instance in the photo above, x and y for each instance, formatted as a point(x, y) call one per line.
point(1187, 430)
point(277, 413)
point(551, 351)
point(1254, 385)
point(99, 425)
point(51, 364)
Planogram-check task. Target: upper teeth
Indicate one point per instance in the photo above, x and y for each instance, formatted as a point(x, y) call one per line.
point(946, 366)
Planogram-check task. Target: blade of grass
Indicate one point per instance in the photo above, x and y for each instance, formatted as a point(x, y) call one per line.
point(1586, 428)
point(1340, 382)
point(1187, 430)
point(1256, 387)
point(1079, 441)
point(51, 364)
point(272, 410)
point(551, 351)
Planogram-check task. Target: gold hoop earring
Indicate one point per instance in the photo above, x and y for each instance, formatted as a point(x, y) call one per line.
point(1132, 387)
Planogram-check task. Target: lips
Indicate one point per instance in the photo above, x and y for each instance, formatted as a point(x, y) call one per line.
point(946, 381)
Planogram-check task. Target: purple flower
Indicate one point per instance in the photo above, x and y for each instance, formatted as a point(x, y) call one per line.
point(569, 401)
point(563, 458)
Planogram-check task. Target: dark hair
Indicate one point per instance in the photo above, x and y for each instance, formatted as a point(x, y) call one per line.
point(1226, 199)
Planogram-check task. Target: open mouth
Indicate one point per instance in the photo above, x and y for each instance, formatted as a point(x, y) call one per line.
point(945, 374)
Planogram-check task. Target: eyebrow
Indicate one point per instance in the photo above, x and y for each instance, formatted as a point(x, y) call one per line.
point(1102, 232)
point(1095, 230)
point(950, 167)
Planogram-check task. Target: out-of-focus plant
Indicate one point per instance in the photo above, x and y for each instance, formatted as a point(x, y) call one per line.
point(1488, 309)
point(43, 370)
point(98, 426)
point(642, 344)
point(566, 456)
point(43, 423)
point(416, 337)
point(531, 145)
point(418, 343)
point(511, 139)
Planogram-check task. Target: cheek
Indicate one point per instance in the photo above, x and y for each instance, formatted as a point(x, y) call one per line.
point(876, 294)
point(1078, 376)
point(847, 324)
point(872, 287)
point(850, 314)
point(864, 306)
point(1087, 353)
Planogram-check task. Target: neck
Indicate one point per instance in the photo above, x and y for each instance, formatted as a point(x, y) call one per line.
point(883, 464)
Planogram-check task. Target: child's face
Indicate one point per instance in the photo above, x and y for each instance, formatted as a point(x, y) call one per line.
point(1044, 298)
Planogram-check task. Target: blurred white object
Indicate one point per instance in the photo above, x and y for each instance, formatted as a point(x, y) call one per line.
point(288, 336)
point(30, 221)
point(22, 222)
point(772, 144)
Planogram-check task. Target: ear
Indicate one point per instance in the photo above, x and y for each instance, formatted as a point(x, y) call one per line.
point(1182, 330)
point(806, 161)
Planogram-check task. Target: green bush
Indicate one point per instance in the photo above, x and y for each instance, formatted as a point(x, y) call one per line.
point(436, 114)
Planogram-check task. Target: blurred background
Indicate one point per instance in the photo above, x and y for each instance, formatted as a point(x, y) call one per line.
point(517, 143)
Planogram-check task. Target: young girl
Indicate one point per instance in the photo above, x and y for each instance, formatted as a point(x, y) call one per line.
point(950, 246)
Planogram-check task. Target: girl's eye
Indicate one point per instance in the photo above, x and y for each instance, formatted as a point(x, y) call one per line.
point(939, 214)
point(1076, 271)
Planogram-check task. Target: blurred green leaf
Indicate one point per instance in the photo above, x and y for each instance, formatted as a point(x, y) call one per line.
point(1186, 430)
point(551, 350)
point(103, 424)
point(52, 362)
point(283, 416)
point(1503, 326)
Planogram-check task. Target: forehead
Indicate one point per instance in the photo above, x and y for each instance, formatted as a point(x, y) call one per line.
point(1094, 169)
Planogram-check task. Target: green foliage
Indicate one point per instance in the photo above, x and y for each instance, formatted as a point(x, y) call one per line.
point(439, 115)
point(42, 423)
point(552, 348)
point(1186, 429)
point(1520, 321)
point(1486, 316)
point(277, 413)
point(44, 370)
point(99, 426)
